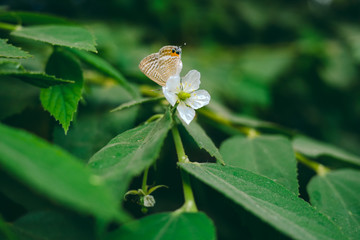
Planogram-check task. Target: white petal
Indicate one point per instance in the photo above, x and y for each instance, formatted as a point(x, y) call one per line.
point(173, 84)
point(198, 99)
point(191, 81)
point(179, 68)
point(170, 96)
point(186, 113)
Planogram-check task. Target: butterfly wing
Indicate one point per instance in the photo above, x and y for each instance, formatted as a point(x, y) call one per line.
point(149, 66)
point(160, 66)
point(169, 66)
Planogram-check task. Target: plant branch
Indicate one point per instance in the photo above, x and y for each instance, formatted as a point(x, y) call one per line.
point(320, 169)
point(144, 181)
point(224, 121)
point(189, 205)
point(9, 27)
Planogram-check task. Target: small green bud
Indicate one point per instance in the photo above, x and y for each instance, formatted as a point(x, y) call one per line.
point(148, 201)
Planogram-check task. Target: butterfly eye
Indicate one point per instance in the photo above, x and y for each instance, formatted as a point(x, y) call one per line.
point(173, 51)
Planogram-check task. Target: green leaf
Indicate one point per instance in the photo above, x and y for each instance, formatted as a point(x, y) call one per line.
point(136, 102)
point(9, 51)
point(14, 69)
point(104, 67)
point(268, 155)
point(31, 18)
point(268, 200)
point(128, 154)
point(8, 66)
point(62, 101)
point(62, 35)
point(161, 226)
point(54, 173)
point(337, 195)
point(52, 225)
point(315, 149)
point(95, 125)
point(203, 140)
point(41, 80)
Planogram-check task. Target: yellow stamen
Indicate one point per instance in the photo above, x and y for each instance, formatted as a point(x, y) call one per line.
point(183, 95)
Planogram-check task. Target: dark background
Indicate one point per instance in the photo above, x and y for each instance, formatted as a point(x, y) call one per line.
point(295, 63)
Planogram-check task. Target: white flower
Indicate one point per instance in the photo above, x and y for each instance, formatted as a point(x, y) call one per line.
point(185, 91)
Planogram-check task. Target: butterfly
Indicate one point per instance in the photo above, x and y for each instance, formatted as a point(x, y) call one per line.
point(162, 65)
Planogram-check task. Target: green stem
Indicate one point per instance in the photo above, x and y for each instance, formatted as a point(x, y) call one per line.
point(144, 181)
point(149, 91)
point(179, 146)
point(7, 26)
point(154, 117)
point(189, 205)
point(320, 169)
point(224, 121)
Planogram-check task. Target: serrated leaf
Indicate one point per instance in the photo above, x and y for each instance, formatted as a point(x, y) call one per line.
point(10, 66)
point(104, 67)
point(136, 102)
point(203, 140)
point(62, 35)
point(164, 226)
point(54, 173)
point(41, 80)
point(14, 69)
point(268, 155)
point(9, 51)
point(83, 141)
point(62, 101)
point(314, 148)
point(266, 199)
point(337, 195)
point(52, 225)
point(128, 154)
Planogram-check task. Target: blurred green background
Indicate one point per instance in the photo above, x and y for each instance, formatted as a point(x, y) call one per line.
point(295, 63)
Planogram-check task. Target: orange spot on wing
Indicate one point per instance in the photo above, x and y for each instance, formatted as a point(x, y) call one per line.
point(174, 54)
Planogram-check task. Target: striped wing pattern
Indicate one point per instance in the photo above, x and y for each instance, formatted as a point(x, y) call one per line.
point(160, 66)
point(149, 66)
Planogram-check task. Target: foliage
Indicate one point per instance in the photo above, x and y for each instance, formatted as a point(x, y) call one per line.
point(86, 139)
